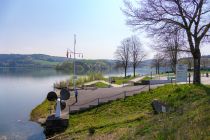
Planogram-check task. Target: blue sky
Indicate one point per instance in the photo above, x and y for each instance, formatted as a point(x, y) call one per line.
point(48, 26)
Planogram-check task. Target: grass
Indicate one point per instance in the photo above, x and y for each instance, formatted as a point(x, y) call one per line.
point(101, 85)
point(122, 80)
point(42, 110)
point(81, 80)
point(146, 78)
point(133, 117)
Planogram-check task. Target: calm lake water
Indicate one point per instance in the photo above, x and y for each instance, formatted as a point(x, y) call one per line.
point(23, 89)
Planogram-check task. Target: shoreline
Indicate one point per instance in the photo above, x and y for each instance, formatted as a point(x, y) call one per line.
point(41, 111)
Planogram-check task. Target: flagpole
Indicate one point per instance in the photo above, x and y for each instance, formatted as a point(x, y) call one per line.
point(68, 54)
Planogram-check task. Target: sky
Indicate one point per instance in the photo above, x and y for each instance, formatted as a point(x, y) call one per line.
point(48, 27)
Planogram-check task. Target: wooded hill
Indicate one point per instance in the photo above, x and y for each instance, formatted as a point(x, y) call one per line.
point(60, 63)
point(33, 60)
point(83, 65)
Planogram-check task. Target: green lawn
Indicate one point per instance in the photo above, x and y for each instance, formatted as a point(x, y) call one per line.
point(101, 85)
point(146, 78)
point(122, 80)
point(133, 117)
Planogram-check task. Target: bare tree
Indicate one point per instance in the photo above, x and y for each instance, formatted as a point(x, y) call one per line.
point(122, 54)
point(171, 45)
point(136, 52)
point(158, 16)
point(157, 62)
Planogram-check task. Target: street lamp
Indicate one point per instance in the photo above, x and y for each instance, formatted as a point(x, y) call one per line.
point(68, 54)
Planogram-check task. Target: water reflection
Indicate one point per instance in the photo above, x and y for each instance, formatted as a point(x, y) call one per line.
point(30, 72)
point(21, 90)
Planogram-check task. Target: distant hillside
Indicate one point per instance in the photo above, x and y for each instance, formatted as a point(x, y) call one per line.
point(98, 65)
point(146, 63)
point(33, 60)
point(60, 63)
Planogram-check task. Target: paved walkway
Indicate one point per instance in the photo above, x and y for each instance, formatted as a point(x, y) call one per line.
point(137, 79)
point(90, 98)
point(204, 80)
point(102, 81)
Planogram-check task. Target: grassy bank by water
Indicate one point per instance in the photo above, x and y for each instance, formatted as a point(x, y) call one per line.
point(133, 118)
point(41, 111)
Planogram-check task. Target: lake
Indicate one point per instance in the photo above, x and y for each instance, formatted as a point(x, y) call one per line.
point(23, 89)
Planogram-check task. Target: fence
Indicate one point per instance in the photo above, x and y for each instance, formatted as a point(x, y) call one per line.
point(98, 101)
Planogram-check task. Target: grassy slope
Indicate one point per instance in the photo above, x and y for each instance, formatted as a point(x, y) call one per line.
point(121, 80)
point(101, 85)
point(133, 118)
point(146, 78)
point(41, 111)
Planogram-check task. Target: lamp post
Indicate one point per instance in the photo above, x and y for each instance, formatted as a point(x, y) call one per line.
point(69, 52)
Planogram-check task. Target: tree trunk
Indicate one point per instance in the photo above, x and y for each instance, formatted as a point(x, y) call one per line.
point(125, 68)
point(173, 68)
point(134, 71)
point(174, 65)
point(156, 69)
point(197, 73)
point(197, 58)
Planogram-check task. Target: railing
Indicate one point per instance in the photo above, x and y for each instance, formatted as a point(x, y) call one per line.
point(98, 101)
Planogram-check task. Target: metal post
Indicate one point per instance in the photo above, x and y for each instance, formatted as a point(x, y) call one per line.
point(149, 86)
point(151, 74)
point(168, 75)
point(189, 78)
point(74, 77)
point(69, 52)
